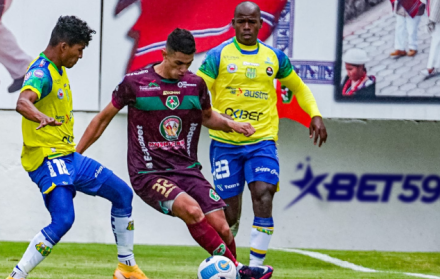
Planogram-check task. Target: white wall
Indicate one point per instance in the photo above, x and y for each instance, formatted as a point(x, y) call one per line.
point(359, 147)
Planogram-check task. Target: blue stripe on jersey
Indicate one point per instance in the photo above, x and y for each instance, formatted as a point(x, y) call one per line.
point(46, 82)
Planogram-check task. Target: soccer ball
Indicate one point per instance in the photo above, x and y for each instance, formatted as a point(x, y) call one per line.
point(217, 267)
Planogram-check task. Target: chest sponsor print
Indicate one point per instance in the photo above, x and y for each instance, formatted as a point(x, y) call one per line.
point(172, 102)
point(60, 94)
point(269, 71)
point(170, 127)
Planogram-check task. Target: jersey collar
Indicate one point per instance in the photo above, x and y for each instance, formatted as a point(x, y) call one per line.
point(60, 71)
point(247, 50)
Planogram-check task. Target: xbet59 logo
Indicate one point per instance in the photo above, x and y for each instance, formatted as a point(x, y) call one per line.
point(369, 187)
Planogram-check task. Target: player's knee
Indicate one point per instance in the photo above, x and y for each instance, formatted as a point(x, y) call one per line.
point(61, 224)
point(224, 231)
point(194, 213)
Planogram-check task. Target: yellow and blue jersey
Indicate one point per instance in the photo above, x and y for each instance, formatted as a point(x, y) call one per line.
point(54, 100)
point(241, 81)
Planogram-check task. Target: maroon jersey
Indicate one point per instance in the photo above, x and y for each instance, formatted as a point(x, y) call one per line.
point(164, 120)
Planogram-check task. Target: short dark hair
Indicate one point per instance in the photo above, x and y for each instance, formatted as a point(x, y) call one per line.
point(181, 40)
point(71, 30)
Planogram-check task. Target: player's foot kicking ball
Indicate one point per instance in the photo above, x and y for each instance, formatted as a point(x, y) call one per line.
point(256, 272)
point(129, 272)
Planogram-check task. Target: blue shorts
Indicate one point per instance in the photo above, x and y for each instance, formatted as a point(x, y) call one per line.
point(232, 165)
point(75, 171)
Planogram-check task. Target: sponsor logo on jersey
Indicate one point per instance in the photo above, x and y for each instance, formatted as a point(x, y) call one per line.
point(151, 86)
point(98, 171)
point(167, 145)
point(213, 195)
point(43, 249)
point(232, 186)
point(268, 61)
point(221, 250)
point(243, 114)
point(147, 156)
point(42, 63)
point(230, 57)
point(256, 94)
point(264, 169)
point(232, 68)
point(184, 84)
point(39, 73)
point(27, 76)
point(172, 102)
point(171, 93)
point(60, 94)
point(251, 73)
point(137, 73)
point(250, 64)
point(170, 127)
point(190, 136)
point(130, 226)
point(269, 71)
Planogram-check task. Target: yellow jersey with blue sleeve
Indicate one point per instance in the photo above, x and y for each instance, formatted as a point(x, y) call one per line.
point(241, 81)
point(54, 100)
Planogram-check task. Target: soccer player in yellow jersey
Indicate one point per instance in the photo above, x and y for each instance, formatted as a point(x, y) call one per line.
point(49, 153)
point(240, 73)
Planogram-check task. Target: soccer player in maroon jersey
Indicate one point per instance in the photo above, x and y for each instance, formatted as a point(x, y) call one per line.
point(166, 107)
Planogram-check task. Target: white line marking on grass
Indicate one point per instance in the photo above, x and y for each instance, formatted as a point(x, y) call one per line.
point(345, 264)
point(327, 258)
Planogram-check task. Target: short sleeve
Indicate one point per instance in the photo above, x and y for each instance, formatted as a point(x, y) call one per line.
point(285, 67)
point(205, 98)
point(123, 94)
point(38, 81)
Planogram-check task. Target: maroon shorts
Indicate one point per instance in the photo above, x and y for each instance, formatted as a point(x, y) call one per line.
point(156, 188)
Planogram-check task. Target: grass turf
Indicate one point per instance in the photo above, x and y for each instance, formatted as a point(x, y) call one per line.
point(70, 260)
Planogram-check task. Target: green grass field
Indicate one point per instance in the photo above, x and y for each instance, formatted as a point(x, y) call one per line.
point(168, 262)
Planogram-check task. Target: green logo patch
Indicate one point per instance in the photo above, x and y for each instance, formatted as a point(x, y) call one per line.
point(213, 195)
point(220, 251)
point(170, 127)
point(43, 249)
point(286, 95)
point(130, 226)
point(251, 73)
point(172, 102)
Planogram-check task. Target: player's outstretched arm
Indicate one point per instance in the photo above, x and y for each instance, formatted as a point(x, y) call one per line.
point(96, 127)
point(307, 102)
point(25, 106)
point(213, 120)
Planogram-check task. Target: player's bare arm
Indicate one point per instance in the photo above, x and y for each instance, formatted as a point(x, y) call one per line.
point(25, 106)
point(213, 120)
point(96, 127)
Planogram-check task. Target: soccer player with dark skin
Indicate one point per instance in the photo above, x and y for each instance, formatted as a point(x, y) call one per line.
point(167, 105)
point(49, 154)
point(225, 148)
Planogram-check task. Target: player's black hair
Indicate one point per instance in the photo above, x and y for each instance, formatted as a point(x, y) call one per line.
point(71, 30)
point(181, 40)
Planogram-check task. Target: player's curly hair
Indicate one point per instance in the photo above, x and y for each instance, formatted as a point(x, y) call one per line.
point(181, 40)
point(71, 30)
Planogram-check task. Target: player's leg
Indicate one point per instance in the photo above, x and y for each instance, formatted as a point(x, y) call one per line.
point(95, 179)
point(228, 173)
point(59, 202)
point(217, 220)
point(262, 174)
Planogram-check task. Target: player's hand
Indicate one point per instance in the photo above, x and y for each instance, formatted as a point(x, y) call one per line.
point(317, 130)
point(243, 128)
point(48, 121)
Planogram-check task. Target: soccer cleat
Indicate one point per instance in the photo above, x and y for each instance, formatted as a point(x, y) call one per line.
point(128, 272)
point(256, 272)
